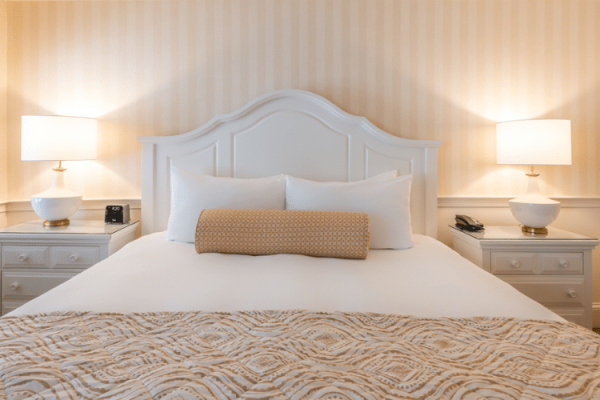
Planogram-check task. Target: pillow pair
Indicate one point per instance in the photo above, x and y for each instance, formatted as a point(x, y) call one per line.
point(384, 197)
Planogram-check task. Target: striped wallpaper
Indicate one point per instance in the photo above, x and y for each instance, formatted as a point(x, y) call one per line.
point(3, 132)
point(421, 69)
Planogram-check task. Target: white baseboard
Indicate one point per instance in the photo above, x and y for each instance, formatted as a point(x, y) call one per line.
point(596, 314)
point(443, 202)
point(86, 204)
point(502, 201)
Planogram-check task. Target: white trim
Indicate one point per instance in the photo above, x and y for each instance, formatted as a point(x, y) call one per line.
point(443, 202)
point(87, 204)
point(596, 314)
point(502, 201)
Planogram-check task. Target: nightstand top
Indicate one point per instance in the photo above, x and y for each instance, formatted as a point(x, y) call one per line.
point(513, 232)
point(76, 227)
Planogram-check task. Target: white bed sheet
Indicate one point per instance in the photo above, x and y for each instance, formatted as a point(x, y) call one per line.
point(154, 274)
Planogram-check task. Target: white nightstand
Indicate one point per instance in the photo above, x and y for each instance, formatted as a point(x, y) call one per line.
point(554, 269)
point(35, 259)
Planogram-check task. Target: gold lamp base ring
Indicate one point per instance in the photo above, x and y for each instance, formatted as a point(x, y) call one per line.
point(534, 231)
point(62, 222)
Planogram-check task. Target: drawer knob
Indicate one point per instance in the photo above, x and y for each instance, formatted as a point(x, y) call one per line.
point(515, 263)
point(572, 294)
point(74, 257)
point(563, 263)
point(23, 257)
point(14, 286)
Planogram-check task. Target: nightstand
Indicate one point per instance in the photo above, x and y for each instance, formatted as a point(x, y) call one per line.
point(34, 259)
point(554, 269)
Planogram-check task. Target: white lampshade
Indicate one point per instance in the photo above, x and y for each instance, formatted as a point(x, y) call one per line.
point(58, 138)
point(534, 142)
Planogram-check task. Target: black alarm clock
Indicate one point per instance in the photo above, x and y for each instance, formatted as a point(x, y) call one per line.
point(116, 214)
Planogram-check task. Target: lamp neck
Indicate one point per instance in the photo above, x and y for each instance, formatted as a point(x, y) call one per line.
point(59, 178)
point(61, 169)
point(532, 172)
point(532, 184)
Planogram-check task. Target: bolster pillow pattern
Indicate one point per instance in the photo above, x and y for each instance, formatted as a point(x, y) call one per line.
point(263, 232)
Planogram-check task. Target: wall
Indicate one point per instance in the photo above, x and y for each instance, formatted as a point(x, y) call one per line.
point(3, 130)
point(421, 69)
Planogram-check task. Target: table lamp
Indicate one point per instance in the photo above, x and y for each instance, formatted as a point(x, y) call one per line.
point(56, 138)
point(534, 142)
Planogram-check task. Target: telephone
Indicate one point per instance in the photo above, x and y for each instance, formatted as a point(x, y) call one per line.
point(467, 223)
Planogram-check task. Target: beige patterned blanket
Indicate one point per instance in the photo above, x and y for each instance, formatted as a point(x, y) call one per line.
point(293, 355)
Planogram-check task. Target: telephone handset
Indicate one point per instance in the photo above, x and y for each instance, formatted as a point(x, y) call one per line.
point(468, 223)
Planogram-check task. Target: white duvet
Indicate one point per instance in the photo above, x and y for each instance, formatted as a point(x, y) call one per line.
point(154, 274)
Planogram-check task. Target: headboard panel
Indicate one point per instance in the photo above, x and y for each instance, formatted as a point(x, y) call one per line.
point(291, 132)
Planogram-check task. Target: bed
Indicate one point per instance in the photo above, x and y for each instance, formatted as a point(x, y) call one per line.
point(157, 320)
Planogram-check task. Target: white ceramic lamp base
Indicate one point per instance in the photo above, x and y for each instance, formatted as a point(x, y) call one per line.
point(534, 210)
point(58, 203)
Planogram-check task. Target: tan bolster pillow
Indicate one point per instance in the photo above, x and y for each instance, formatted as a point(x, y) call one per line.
point(264, 232)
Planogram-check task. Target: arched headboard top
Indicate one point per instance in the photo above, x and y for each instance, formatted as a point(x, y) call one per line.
point(291, 132)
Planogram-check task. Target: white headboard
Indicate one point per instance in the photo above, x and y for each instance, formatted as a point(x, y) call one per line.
point(291, 132)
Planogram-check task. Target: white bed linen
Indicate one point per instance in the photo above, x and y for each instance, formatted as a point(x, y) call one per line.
point(154, 274)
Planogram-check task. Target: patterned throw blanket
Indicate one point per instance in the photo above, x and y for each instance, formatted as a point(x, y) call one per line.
point(293, 355)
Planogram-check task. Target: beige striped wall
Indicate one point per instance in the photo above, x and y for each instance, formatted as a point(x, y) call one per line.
point(426, 69)
point(3, 92)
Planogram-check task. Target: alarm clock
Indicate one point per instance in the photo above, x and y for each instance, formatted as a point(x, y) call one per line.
point(116, 214)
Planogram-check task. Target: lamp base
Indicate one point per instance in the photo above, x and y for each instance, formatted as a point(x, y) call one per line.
point(56, 204)
point(534, 231)
point(533, 210)
point(61, 222)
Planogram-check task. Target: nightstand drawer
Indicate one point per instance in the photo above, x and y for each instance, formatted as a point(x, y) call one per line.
point(556, 293)
point(506, 263)
point(74, 257)
point(562, 263)
point(24, 256)
point(11, 305)
point(31, 284)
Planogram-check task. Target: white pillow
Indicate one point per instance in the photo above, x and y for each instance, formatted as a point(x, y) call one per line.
point(192, 192)
point(387, 201)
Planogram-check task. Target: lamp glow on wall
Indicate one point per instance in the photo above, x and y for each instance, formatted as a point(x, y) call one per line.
point(56, 138)
point(534, 142)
